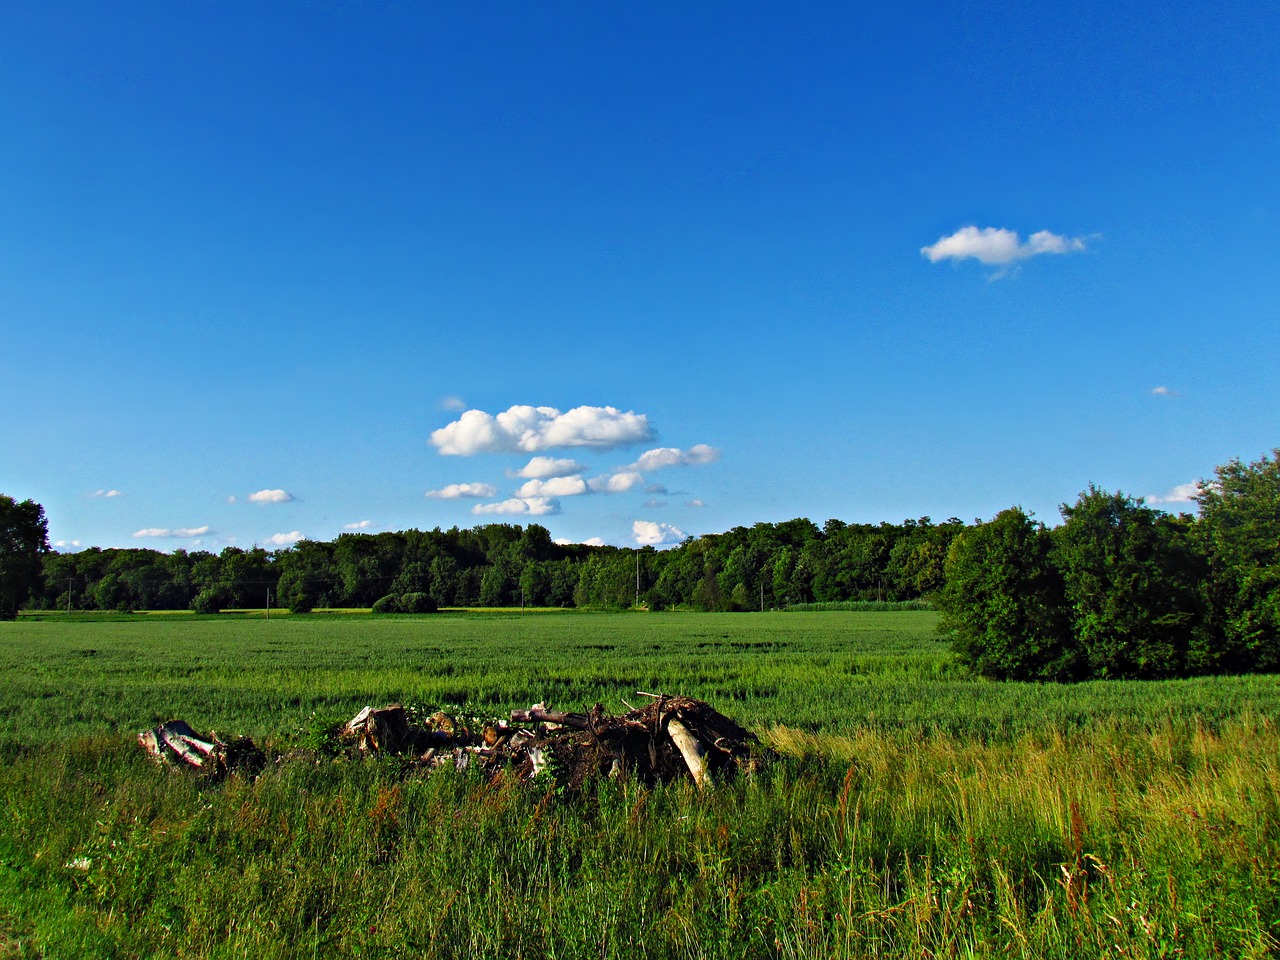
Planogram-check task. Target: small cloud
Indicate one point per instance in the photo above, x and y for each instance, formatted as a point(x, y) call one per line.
point(284, 539)
point(656, 488)
point(532, 429)
point(553, 487)
point(358, 525)
point(271, 496)
point(231, 499)
point(541, 468)
point(661, 457)
point(531, 506)
point(695, 502)
point(178, 533)
point(650, 534)
point(452, 404)
point(74, 544)
point(1164, 392)
point(1182, 493)
point(616, 482)
point(997, 246)
point(458, 491)
point(107, 494)
point(589, 542)
point(653, 504)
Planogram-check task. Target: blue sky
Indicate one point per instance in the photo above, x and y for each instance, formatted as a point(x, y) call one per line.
point(771, 260)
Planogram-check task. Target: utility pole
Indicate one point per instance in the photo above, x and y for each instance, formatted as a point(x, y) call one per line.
point(762, 594)
point(268, 603)
point(637, 580)
point(70, 581)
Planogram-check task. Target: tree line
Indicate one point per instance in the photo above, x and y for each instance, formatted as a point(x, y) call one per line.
point(1117, 590)
point(764, 566)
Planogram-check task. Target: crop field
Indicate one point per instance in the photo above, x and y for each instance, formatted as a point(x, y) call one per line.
point(912, 810)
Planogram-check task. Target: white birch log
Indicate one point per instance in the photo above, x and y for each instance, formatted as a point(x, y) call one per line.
point(691, 748)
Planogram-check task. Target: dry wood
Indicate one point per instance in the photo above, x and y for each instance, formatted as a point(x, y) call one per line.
point(578, 721)
point(692, 749)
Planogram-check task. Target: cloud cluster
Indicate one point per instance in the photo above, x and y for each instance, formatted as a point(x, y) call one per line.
point(619, 482)
point(458, 491)
point(175, 533)
point(271, 496)
point(358, 525)
point(285, 539)
point(1182, 493)
point(553, 487)
point(697, 455)
point(106, 493)
point(76, 544)
point(650, 534)
point(1163, 392)
point(540, 468)
point(589, 542)
point(526, 506)
point(997, 246)
point(530, 429)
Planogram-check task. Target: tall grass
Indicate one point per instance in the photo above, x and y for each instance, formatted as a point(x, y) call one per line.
point(1021, 821)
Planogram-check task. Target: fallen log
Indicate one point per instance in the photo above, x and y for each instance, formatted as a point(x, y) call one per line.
point(691, 749)
point(538, 714)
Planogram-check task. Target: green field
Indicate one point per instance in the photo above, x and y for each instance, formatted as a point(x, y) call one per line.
point(915, 811)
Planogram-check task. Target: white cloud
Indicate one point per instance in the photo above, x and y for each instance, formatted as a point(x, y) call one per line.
point(271, 496)
point(650, 534)
point(68, 543)
point(616, 482)
point(653, 504)
point(456, 491)
point(531, 506)
point(589, 542)
point(532, 429)
point(696, 455)
point(998, 246)
point(540, 468)
point(452, 404)
point(1163, 392)
point(179, 533)
point(284, 539)
point(358, 525)
point(107, 493)
point(695, 502)
point(554, 487)
point(1182, 493)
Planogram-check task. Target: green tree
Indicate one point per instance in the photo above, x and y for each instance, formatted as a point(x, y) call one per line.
point(1131, 581)
point(1239, 534)
point(24, 539)
point(1003, 603)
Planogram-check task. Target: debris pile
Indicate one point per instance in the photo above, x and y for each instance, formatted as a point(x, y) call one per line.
point(175, 742)
point(669, 738)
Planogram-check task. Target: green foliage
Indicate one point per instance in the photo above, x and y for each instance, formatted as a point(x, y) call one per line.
point(1239, 533)
point(388, 604)
point(24, 539)
point(1003, 602)
point(417, 603)
point(1132, 582)
point(210, 600)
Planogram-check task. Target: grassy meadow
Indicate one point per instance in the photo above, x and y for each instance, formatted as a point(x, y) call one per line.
point(914, 811)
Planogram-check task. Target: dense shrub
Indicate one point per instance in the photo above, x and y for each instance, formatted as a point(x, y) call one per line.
point(388, 604)
point(209, 601)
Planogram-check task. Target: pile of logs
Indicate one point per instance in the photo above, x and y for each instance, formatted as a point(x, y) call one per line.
point(175, 742)
point(668, 738)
